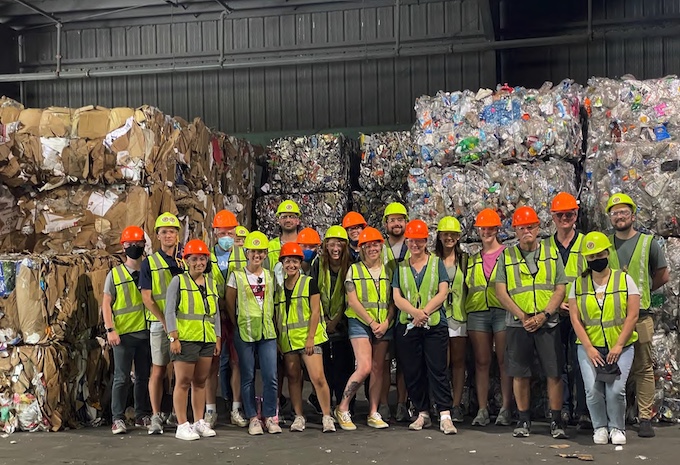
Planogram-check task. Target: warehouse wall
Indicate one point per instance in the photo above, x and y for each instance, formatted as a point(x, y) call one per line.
point(10, 60)
point(638, 37)
point(304, 97)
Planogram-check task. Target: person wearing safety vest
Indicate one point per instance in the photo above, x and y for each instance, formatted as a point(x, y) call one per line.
point(530, 285)
point(241, 233)
point(641, 257)
point(370, 313)
point(486, 318)
point(309, 241)
point(447, 248)
point(354, 223)
point(225, 257)
point(420, 287)
point(250, 305)
point(329, 271)
point(301, 332)
point(127, 333)
point(566, 242)
point(192, 316)
point(288, 216)
point(154, 277)
point(603, 306)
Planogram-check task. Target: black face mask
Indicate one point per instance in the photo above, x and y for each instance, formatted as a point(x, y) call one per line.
point(353, 243)
point(599, 264)
point(134, 251)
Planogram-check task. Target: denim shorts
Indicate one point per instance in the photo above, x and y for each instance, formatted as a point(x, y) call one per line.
point(489, 321)
point(358, 330)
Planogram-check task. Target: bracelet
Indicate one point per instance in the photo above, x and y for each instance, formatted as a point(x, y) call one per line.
point(371, 322)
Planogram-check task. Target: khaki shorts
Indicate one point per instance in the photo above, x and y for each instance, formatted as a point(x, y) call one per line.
point(160, 349)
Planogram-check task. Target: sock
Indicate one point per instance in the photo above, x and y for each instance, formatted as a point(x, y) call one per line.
point(210, 407)
point(235, 406)
point(556, 415)
point(524, 416)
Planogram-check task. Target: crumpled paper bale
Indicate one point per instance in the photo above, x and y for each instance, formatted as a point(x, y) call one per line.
point(319, 211)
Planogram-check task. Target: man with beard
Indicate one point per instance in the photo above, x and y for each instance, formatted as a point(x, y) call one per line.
point(640, 256)
point(288, 216)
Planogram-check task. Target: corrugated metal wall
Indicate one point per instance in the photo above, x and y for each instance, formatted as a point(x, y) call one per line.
point(635, 37)
point(303, 97)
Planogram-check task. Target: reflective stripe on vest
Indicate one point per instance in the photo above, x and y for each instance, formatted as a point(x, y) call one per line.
point(273, 252)
point(293, 320)
point(604, 324)
point(374, 298)
point(454, 305)
point(638, 268)
point(481, 293)
point(237, 260)
point(419, 296)
point(390, 261)
point(128, 308)
point(254, 323)
point(160, 278)
point(576, 263)
point(195, 322)
point(530, 293)
point(331, 305)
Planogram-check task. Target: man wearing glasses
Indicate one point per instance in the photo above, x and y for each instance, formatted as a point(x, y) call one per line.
point(288, 215)
point(640, 256)
point(530, 285)
point(567, 243)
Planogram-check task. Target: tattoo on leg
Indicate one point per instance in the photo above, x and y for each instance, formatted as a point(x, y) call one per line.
point(351, 390)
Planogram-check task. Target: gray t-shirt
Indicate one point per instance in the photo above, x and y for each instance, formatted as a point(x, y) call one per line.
point(110, 289)
point(530, 258)
point(171, 302)
point(625, 249)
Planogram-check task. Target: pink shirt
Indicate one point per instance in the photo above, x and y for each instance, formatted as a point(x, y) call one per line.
point(489, 261)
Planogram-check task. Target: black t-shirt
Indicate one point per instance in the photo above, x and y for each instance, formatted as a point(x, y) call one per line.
point(313, 290)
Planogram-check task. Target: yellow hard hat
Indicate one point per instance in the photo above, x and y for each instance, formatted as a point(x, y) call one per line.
point(395, 208)
point(336, 232)
point(449, 224)
point(288, 206)
point(256, 241)
point(166, 220)
point(241, 231)
point(620, 199)
point(594, 243)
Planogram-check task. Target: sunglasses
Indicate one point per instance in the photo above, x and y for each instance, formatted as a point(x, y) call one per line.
point(565, 215)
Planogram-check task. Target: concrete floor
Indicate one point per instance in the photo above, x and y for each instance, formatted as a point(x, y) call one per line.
point(396, 445)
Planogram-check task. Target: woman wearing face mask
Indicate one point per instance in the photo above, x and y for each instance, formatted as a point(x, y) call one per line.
point(354, 223)
point(603, 306)
point(448, 251)
point(127, 332)
point(420, 286)
point(193, 322)
point(250, 304)
point(329, 271)
point(301, 331)
point(486, 318)
point(309, 241)
point(370, 315)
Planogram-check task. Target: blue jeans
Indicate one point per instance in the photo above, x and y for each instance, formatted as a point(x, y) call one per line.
point(131, 349)
point(606, 401)
point(266, 353)
point(225, 373)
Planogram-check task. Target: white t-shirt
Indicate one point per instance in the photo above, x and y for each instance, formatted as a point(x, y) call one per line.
point(599, 290)
point(375, 274)
point(257, 284)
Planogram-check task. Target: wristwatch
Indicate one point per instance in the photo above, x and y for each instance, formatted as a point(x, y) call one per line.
point(547, 314)
point(110, 330)
point(171, 339)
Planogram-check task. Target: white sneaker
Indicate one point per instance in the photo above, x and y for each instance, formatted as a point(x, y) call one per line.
point(328, 424)
point(237, 419)
point(601, 436)
point(298, 424)
point(255, 427)
point(203, 429)
point(186, 432)
point(618, 437)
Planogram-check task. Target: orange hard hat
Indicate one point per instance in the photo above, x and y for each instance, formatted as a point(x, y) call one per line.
point(291, 249)
point(308, 236)
point(195, 247)
point(225, 219)
point(416, 229)
point(564, 202)
point(132, 234)
point(488, 218)
point(524, 216)
point(370, 234)
point(353, 219)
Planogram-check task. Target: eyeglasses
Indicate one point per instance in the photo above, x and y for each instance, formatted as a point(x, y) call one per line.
point(620, 213)
point(287, 216)
point(529, 228)
point(197, 259)
point(355, 228)
point(565, 215)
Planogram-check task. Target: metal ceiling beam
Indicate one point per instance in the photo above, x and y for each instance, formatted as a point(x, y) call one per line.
point(37, 10)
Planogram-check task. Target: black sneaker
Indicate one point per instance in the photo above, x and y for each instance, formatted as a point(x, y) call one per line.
point(557, 430)
point(566, 418)
point(646, 430)
point(522, 429)
point(313, 401)
point(584, 423)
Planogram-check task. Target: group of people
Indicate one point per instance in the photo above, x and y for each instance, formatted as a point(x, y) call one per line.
point(343, 307)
